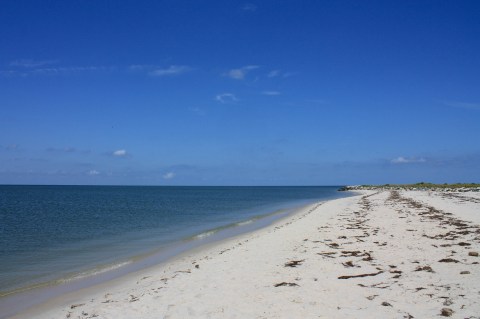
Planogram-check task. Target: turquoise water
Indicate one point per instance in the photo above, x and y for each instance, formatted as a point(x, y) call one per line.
point(64, 233)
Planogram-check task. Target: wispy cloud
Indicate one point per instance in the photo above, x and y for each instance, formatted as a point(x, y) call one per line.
point(274, 73)
point(271, 93)
point(10, 147)
point(250, 7)
point(241, 73)
point(171, 70)
point(29, 63)
point(279, 74)
point(169, 175)
point(24, 68)
point(93, 172)
point(463, 105)
point(198, 111)
point(142, 67)
point(50, 71)
point(317, 101)
point(407, 160)
point(63, 150)
point(226, 98)
point(119, 153)
point(71, 70)
point(9, 73)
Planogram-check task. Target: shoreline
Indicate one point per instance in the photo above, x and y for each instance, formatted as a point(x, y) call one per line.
point(381, 254)
point(54, 235)
point(31, 298)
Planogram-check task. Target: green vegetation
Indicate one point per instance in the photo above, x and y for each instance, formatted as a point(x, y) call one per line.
point(460, 187)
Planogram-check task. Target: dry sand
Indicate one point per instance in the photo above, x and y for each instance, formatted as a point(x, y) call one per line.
point(386, 254)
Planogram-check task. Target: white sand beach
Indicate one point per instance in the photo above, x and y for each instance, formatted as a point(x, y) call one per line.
point(380, 254)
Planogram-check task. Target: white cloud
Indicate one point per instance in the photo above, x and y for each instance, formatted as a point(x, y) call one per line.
point(406, 160)
point(226, 98)
point(239, 74)
point(169, 175)
point(271, 93)
point(93, 172)
point(120, 153)
point(171, 70)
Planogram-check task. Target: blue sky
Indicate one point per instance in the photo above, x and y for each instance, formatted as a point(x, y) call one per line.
point(239, 92)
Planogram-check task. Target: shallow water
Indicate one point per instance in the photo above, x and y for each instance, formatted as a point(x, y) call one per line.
point(58, 234)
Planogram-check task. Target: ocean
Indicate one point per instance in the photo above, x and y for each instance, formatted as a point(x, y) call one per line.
point(50, 235)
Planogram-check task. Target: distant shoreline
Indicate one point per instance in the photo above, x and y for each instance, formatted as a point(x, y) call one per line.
point(457, 187)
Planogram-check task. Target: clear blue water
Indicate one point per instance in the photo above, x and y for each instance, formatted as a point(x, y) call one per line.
point(52, 233)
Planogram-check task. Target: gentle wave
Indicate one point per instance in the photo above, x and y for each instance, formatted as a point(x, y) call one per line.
point(82, 275)
point(245, 222)
point(144, 225)
point(213, 231)
point(23, 289)
point(206, 234)
point(107, 268)
point(93, 272)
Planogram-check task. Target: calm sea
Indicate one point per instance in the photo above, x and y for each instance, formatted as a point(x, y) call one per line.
point(54, 234)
